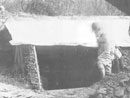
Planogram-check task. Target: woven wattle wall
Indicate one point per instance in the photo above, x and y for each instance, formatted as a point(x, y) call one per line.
point(32, 68)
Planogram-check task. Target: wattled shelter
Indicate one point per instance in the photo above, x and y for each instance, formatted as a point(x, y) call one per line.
point(57, 53)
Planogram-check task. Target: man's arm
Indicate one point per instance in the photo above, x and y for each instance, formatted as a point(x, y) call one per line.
point(118, 54)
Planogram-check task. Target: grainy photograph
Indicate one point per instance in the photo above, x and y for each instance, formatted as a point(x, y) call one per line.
point(64, 49)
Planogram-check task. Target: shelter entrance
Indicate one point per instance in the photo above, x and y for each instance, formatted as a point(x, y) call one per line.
point(67, 66)
point(60, 67)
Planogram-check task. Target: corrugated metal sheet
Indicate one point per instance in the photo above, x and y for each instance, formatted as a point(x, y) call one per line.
point(66, 30)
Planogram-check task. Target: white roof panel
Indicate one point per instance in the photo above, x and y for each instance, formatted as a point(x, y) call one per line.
point(53, 30)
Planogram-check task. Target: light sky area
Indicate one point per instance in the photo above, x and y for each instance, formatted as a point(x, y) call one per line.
point(64, 31)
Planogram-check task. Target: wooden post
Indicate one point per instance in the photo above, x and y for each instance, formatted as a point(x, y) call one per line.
point(32, 67)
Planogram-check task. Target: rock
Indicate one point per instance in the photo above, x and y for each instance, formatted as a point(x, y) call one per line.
point(119, 91)
point(102, 91)
point(128, 89)
point(110, 91)
point(100, 96)
point(107, 97)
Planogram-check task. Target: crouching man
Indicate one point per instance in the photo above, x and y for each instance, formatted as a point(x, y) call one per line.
point(107, 50)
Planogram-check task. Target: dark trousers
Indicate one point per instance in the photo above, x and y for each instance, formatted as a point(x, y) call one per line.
point(117, 65)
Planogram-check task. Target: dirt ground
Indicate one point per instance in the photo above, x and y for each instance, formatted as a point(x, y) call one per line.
point(115, 86)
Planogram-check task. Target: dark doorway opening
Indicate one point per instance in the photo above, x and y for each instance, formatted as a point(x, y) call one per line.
point(64, 67)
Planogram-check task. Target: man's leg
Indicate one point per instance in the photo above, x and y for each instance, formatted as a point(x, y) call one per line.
point(116, 66)
point(108, 68)
point(101, 68)
point(121, 65)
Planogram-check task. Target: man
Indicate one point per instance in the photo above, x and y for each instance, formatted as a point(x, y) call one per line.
point(118, 64)
point(129, 30)
point(2, 11)
point(107, 50)
point(5, 35)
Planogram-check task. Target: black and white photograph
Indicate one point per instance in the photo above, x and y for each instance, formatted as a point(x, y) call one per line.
point(64, 49)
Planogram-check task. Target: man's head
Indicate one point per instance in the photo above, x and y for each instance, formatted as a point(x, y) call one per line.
point(95, 26)
point(97, 29)
point(2, 8)
point(129, 30)
point(2, 17)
